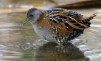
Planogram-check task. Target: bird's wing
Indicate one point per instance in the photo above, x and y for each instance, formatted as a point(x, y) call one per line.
point(69, 23)
point(68, 19)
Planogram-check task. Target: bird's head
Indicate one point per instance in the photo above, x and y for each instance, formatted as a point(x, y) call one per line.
point(32, 16)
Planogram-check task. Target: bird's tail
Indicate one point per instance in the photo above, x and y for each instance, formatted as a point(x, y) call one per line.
point(90, 17)
point(87, 20)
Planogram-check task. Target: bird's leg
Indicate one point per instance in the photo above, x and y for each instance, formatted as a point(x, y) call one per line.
point(66, 43)
point(60, 43)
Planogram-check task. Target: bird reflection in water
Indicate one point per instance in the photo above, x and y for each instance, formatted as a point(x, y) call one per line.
point(52, 52)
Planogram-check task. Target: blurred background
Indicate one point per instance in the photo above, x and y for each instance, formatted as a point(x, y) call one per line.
point(20, 43)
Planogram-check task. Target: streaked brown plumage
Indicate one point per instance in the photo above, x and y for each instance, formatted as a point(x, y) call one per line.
point(58, 24)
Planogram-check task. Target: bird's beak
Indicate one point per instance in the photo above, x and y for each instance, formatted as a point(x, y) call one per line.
point(26, 21)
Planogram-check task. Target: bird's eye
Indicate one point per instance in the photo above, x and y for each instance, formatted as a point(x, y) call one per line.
point(31, 15)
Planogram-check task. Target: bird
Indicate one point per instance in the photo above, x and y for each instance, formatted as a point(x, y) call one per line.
point(58, 24)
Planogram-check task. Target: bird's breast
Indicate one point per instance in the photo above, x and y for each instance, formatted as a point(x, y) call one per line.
point(44, 33)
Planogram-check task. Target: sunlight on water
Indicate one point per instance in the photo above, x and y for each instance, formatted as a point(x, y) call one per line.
point(20, 6)
point(8, 55)
point(95, 25)
point(98, 10)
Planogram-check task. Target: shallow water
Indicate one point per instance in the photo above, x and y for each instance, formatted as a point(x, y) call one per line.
point(20, 43)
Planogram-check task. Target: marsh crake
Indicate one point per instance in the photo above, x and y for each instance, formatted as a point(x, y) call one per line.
point(57, 24)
